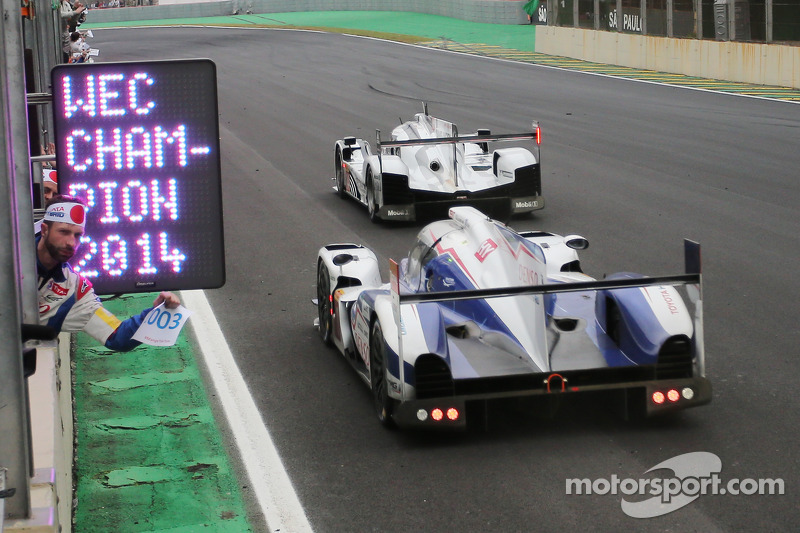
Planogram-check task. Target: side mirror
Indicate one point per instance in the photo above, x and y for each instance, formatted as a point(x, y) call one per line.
point(576, 242)
point(342, 259)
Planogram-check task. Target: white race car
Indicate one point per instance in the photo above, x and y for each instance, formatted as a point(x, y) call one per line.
point(479, 312)
point(427, 167)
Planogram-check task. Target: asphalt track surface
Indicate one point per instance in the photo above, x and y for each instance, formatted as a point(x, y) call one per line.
point(634, 167)
point(515, 42)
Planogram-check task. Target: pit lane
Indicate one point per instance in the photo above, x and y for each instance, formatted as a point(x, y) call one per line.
point(633, 167)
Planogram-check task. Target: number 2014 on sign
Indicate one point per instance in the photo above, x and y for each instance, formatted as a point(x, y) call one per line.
point(114, 255)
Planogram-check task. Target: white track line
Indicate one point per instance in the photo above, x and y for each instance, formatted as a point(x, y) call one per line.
point(268, 478)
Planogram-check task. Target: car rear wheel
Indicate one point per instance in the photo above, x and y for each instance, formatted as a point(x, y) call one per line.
point(324, 304)
point(372, 205)
point(340, 174)
point(384, 406)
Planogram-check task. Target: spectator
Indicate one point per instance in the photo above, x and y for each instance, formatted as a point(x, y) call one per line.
point(69, 21)
point(78, 49)
point(50, 150)
point(50, 183)
point(67, 301)
point(530, 9)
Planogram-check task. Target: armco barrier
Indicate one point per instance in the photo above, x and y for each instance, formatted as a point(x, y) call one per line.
point(490, 11)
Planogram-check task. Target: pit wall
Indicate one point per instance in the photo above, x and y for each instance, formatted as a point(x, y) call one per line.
point(50, 394)
point(763, 64)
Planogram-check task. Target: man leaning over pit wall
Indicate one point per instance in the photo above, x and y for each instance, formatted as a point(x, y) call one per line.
point(67, 301)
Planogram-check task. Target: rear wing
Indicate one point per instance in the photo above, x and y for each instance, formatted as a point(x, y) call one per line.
point(535, 135)
point(692, 279)
point(692, 276)
point(443, 296)
point(451, 136)
point(482, 138)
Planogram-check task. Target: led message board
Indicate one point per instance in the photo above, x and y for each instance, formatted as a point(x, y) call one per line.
point(139, 142)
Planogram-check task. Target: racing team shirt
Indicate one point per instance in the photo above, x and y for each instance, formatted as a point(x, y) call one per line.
point(67, 302)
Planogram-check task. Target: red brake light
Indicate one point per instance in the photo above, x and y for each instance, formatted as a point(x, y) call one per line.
point(673, 395)
point(658, 397)
point(452, 413)
point(437, 414)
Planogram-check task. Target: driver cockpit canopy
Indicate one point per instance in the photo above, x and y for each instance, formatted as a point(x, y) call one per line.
point(418, 258)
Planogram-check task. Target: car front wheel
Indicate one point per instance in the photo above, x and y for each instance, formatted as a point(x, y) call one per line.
point(324, 304)
point(340, 174)
point(372, 204)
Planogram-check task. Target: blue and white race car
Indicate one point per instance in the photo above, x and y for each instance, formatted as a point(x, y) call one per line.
point(427, 166)
point(479, 312)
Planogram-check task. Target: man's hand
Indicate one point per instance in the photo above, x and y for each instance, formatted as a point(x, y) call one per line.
point(168, 299)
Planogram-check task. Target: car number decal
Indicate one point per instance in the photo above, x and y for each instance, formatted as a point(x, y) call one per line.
point(361, 334)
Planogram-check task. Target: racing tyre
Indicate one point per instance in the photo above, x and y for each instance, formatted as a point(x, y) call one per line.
point(324, 304)
point(340, 175)
point(372, 206)
point(384, 406)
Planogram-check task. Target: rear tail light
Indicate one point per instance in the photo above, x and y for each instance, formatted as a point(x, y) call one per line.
point(438, 414)
point(672, 395)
